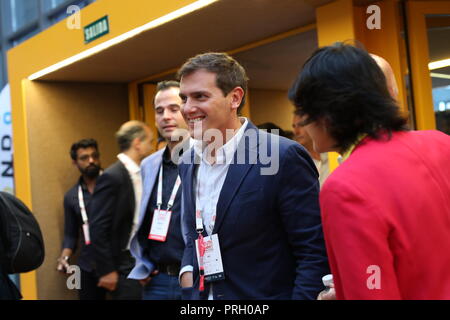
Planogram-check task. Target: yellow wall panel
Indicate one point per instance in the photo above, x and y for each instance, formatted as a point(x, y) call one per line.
point(375, 41)
point(335, 22)
point(54, 45)
point(423, 98)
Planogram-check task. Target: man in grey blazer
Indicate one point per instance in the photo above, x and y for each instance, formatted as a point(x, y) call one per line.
point(158, 244)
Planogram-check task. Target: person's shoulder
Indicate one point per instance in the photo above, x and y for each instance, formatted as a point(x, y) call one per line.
point(113, 172)
point(71, 192)
point(430, 135)
point(147, 163)
point(117, 166)
point(421, 143)
point(282, 143)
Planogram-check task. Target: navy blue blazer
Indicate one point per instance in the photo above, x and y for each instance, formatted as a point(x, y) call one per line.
point(269, 226)
point(110, 227)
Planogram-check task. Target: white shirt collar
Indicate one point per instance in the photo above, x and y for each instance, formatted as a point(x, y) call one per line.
point(129, 163)
point(226, 152)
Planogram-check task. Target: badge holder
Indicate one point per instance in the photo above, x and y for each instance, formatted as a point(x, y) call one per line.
point(161, 218)
point(209, 256)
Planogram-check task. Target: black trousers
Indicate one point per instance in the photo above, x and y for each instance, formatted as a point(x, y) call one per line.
point(89, 289)
point(8, 290)
point(127, 289)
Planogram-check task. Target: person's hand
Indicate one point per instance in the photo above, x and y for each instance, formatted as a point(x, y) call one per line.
point(144, 282)
point(109, 281)
point(328, 294)
point(187, 280)
point(63, 264)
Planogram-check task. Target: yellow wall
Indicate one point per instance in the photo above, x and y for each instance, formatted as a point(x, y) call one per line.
point(342, 20)
point(423, 98)
point(271, 106)
point(54, 45)
point(61, 114)
point(335, 22)
point(375, 41)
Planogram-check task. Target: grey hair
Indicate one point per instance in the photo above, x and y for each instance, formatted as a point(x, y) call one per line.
point(128, 132)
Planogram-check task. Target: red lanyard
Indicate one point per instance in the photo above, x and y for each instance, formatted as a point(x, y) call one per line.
point(201, 249)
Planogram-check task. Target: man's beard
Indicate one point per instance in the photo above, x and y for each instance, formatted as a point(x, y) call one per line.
point(92, 171)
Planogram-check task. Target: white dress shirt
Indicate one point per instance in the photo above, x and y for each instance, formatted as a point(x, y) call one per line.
point(323, 168)
point(135, 173)
point(210, 179)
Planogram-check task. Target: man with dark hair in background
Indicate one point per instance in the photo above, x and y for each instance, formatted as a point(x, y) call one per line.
point(116, 205)
point(86, 157)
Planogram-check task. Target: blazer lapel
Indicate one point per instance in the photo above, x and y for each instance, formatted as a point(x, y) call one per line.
point(148, 184)
point(188, 182)
point(235, 176)
point(128, 186)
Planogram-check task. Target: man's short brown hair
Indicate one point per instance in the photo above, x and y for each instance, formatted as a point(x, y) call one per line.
point(229, 73)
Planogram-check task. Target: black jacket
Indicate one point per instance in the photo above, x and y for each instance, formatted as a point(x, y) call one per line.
point(113, 203)
point(8, 290)
point(73, 223)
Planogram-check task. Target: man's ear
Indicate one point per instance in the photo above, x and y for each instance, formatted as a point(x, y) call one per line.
point(237, 94)
point(136, 143)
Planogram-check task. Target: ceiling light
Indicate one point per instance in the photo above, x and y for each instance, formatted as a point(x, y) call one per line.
point(440, 75)
point(439, 64)
point(127, 35)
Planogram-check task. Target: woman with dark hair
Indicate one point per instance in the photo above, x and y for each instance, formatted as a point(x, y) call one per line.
point(386, 208)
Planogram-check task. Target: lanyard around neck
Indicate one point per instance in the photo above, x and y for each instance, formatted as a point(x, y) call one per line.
point(82, 205)
point(81, 201)
point(160, 188)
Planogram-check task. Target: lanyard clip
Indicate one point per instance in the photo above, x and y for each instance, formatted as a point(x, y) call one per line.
point(199, 222)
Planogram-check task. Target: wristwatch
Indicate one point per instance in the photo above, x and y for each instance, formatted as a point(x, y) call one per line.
point(60, 260)
point(65, 258)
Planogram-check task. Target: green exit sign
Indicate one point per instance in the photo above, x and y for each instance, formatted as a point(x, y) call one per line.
point(96, 29)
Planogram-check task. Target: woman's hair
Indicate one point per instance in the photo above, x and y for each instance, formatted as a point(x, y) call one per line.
point(343, 86)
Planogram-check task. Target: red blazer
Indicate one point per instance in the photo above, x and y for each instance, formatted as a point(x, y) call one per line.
point(387, 209)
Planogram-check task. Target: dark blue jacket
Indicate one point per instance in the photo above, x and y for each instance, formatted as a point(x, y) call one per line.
point(269, 226)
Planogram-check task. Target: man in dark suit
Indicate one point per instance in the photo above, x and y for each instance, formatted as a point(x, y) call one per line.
point(251, 210)
point(115, 203)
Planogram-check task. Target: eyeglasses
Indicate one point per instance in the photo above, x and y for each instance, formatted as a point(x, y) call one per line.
point(86, 157)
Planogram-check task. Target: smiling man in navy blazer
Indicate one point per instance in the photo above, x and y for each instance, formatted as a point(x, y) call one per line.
point(251, 210)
